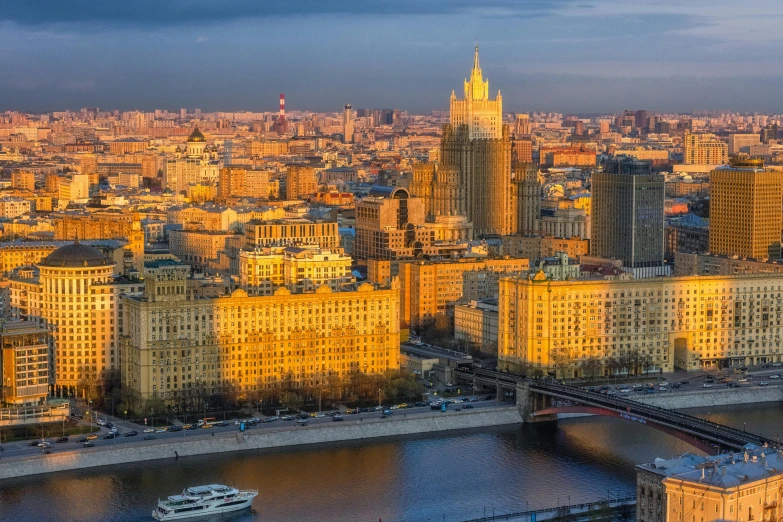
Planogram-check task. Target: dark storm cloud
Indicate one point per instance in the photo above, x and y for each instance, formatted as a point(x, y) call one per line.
point(181, 12)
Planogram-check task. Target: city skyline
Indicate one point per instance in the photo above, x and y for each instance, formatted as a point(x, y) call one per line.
point(544, 55)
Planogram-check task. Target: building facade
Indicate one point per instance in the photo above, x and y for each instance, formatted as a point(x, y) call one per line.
point(175, 343)
point(687, 323)
point(745, 212)
point(627, 216)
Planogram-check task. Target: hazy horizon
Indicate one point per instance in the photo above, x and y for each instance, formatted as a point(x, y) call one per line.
point(590, 56)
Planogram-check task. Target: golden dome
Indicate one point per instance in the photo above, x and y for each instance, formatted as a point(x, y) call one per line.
point(196, 137)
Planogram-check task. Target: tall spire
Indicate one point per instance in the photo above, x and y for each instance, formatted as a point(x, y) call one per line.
point(476, 59)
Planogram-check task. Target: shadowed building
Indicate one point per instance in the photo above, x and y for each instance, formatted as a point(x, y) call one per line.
point(627, 219)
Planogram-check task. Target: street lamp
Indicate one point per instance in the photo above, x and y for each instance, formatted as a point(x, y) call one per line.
point(89, 412)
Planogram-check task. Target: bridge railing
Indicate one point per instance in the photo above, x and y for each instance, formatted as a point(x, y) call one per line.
point(576, 509)
point(711, 430)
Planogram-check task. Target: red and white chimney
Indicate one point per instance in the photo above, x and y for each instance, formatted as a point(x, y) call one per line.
point(282, 107)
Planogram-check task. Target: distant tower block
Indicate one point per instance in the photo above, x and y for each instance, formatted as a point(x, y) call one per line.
point(348, 118)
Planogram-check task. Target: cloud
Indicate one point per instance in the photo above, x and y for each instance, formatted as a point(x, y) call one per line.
point(201, 39)
point(181, 12)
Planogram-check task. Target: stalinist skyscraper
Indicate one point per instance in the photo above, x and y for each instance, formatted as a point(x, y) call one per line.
point(477, 145)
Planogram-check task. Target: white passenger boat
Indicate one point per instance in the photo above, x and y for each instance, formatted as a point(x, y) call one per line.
point(200, 501)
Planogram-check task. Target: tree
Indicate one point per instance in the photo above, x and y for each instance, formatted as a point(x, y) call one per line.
point(562, 359)
point(592, 367)
point(88, 382)
point(293, 401)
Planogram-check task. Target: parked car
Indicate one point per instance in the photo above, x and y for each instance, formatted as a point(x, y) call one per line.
point(149, 430)
point(160, 430)
point(175, 428)
point(131, 433)
point(61, 439)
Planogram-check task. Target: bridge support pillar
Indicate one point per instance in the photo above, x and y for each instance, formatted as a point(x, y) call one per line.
point(529, 402)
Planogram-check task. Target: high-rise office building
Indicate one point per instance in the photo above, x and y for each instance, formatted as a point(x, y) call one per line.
point(478, 143)
point(627, 215)
point(745, 210)
point(348, 118)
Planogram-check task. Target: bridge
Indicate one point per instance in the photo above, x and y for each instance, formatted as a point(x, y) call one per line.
point(542, 400)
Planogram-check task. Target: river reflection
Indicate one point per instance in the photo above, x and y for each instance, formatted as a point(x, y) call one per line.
point(451, 475)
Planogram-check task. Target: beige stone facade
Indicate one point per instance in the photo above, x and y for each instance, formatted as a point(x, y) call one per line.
point(688, 323)
point(431, 288)
point(175, 343)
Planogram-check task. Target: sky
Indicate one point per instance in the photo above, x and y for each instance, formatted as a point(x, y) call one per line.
point(570, 56)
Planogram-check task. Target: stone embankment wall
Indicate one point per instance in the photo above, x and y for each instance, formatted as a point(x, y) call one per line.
point(254, 439)
point(717, 396)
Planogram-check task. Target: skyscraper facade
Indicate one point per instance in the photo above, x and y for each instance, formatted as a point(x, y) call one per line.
point(627, 215)
point(348, 117)
point(478, 144)
point(745, 211)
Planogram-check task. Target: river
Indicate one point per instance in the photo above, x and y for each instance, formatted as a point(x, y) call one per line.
point(444, 476)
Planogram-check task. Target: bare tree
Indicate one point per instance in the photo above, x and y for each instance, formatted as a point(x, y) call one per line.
point(592, 367)
point(562, 359)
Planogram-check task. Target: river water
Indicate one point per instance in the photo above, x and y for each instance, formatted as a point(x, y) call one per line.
point(444, 476)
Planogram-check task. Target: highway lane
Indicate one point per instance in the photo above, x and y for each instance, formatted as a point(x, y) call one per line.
point(21, 448)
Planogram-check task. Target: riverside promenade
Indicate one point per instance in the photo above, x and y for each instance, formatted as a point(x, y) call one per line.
point(250, 440)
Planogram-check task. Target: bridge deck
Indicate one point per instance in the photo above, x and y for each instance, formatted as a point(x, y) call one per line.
point(724, 436)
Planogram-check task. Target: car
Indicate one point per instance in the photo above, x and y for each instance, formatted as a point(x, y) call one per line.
point(43, 444)
point(744, 379)
point(273, 418)
point(387, 412)
point(458, 408)
point(303, 416)
point(34, 443)
point(706, 385)
point(61, 439)
point(160, 430)
point(149, 436)
point(92, 436)
point(111, 435)
point(384, 416)
point(175, 428)
point(114, 430)
point(468, 407)
point(777, 365)
point(131, 433)
point(82, 439)
point(763, 383)
point(775, 376)
point(302, 422)
point(337, 418)
point(221, 424)
point(89, 444)
point(109, 425)
point(149, 430)
point(420, 404)
point(676, 385)
point(193, 427)
point(210, 426)
point(286, 418)
point(101, 422)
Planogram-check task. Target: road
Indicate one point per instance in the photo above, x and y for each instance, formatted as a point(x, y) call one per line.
point(21, 448)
